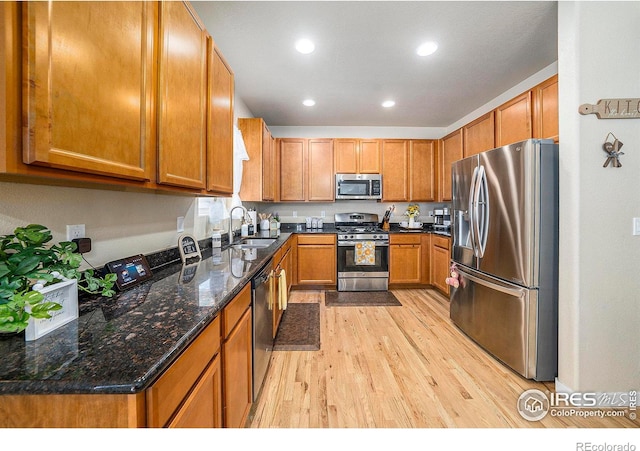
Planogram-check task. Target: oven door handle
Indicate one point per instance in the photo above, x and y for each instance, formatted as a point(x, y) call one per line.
point(353, 243)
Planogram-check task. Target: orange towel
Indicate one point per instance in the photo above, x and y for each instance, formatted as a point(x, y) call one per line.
point(365, 253)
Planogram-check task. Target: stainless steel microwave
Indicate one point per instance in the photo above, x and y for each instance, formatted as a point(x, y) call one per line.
point(358, 186)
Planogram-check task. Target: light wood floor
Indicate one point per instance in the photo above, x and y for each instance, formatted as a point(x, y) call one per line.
point(397, 367)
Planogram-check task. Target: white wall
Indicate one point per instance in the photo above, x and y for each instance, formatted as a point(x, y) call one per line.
point(599, 57)
point(359, 132)
point(119, 223)
point(240, 109)
point(509, 94)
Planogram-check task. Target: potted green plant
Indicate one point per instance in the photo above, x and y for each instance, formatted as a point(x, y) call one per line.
point(27, 263)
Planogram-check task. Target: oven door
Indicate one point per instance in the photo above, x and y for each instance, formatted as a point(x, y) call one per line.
point(362, 277)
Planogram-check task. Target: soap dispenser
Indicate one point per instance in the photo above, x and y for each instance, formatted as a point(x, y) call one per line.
point(244, 229)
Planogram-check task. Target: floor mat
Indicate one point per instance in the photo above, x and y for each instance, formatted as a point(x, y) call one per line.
point(299, 329)
point(360, 298)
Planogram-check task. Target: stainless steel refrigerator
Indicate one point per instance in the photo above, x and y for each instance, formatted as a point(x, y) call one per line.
point(505, 249)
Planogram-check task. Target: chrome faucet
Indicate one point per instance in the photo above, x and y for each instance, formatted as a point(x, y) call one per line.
point(231, 221)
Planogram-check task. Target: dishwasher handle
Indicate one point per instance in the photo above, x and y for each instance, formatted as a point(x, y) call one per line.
point(262, 278)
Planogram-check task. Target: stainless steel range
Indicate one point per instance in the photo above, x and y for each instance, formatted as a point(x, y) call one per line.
point(363, 253)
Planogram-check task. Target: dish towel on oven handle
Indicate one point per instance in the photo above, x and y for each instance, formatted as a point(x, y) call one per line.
point(282, 288)
point(365, 253)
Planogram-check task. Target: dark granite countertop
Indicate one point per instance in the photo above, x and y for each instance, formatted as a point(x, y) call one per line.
point(122, 344)
point(328, 227)
point(427, 228)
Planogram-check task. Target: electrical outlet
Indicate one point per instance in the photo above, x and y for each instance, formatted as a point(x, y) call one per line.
point(295, 214)
point(323, 214)
point(180, 224)
point(75, 231)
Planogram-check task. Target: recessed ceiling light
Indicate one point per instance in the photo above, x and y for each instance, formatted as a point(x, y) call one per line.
point(388, 103)
point(427, 48)
point(309, 102)
point(305, 46)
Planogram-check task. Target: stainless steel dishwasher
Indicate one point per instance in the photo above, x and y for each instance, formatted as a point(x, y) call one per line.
point(262, 304)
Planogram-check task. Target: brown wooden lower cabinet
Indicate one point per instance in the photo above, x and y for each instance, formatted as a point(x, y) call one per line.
point(316, 260)
point(282, 264)
point(409, 260)
point(174, 399)
point(237, 360)
point(440, 259)
point(203, 406)
point(72, 411)
point(187, 394)
point(405, 259)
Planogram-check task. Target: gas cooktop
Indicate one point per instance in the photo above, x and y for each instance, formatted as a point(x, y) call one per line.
point(360, 229)
point(359, 226)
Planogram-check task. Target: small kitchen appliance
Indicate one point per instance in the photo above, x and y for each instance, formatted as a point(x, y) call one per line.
point(358, 186)
point(363, 253)
point(442, 219)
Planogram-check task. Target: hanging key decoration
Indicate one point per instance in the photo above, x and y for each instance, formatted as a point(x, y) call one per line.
point(613, 151)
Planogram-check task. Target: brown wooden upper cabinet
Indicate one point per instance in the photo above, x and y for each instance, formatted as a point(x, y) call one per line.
point(395, 170)
point(269, 161)
point(182, 97)
point(258, 173)
point(270, 171)
point(479, 135)
point(422, 177)
point(89, 87)
point(357, 156)
point(545, 119)
point(220, 123)
point(513, 120)
point(450, 150)
point(408, 170)
point(306, 170)
point(291, 154)
point(320, 179)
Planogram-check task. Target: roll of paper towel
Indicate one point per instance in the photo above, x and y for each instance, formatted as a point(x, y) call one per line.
point(253, 216)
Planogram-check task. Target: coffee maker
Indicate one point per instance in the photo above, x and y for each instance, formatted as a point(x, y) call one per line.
point(442, 219)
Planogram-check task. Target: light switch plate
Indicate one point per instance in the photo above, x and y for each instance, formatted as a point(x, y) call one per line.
point(636, 226)
point(180, 224)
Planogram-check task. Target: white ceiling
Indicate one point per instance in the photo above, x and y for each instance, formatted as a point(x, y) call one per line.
point(365, 53)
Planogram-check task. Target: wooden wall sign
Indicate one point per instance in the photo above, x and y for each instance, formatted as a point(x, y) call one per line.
point(613, 109)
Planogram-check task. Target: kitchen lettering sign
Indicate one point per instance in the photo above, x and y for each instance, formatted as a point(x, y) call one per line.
point(613, 109)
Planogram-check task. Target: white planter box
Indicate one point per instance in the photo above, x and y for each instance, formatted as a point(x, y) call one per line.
point(64, 293)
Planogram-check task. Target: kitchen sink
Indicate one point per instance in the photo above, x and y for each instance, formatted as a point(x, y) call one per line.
point(255, 243)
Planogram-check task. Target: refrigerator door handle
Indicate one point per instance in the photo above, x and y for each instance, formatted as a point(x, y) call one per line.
point(494, 284)
point(473, 212)
point(483, 214)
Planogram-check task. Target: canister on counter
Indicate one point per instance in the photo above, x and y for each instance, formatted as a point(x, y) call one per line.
point(216, 238)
